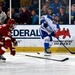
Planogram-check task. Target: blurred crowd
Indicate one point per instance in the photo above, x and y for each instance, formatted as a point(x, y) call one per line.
point(56, 8)
point(24, 14)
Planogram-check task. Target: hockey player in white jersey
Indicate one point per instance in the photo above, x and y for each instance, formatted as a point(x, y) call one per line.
point(48, 29)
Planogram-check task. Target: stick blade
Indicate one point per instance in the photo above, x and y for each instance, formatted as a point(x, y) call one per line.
point(65, 59)
point(72, 52)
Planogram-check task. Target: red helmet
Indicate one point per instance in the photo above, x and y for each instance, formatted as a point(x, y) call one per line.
point(11, 21)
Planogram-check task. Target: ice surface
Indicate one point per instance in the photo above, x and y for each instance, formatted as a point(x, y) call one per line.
point(22, 65)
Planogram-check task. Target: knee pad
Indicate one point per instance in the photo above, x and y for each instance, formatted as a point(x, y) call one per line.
point(47, 42)
point(3, 50)
point(47, 39)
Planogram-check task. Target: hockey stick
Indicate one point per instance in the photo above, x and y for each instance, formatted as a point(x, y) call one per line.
point(48, 58)
point(66, 47)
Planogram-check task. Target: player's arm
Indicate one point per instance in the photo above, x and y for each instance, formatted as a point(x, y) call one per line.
point(8, 43)
point(14, 42)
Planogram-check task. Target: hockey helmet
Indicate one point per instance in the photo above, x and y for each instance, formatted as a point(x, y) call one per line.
point(11, 23)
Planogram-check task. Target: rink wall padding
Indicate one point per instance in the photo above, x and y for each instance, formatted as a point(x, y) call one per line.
point(41, 49)
point(29, 40)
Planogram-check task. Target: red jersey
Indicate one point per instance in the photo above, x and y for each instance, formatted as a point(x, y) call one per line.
point(5, 30)
point(6, 40)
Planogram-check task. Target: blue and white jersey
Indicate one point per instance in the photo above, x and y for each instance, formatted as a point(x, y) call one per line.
point(47, 20)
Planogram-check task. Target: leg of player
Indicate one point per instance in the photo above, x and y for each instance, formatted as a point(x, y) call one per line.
point(2, 57)
point(47, 45)
point(47, 41)
point(2, 51)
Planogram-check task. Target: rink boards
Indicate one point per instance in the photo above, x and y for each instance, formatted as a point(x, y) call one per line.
point(29, 39)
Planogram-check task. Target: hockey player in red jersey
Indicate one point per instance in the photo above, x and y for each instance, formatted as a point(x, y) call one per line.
point(6, 40)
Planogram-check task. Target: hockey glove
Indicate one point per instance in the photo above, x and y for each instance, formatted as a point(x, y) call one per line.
point(13, 52)
point(15, 43)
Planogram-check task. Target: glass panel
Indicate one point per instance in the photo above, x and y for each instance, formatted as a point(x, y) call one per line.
point(59, 8)
point(26, 11)
point(4, 5)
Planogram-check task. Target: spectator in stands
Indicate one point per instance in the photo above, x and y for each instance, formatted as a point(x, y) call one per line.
point(56, 6)
point(14, 15)
point(44, 10)
point(64, 17)
point(35, 17)
point(50, 12)
point(73, 14)
point(1, 2)
point(65, 3)
point(35, 6)
point(72, 2)
point(8, 17)
point(43, 2)
point(6, 6)
point(47, 3)
point(3, 16)
point(16, 5)
point(25, 16)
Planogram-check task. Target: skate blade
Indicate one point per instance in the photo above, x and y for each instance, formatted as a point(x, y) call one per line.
point(2, 61)
point(47, 54)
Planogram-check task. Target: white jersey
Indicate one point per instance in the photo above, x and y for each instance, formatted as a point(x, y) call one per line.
point(51, 26)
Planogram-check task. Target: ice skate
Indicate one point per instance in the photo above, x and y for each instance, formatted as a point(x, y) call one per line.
point(47, 52)
point(2, 57)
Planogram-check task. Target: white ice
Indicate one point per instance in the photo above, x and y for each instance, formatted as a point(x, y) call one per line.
point(22, 65)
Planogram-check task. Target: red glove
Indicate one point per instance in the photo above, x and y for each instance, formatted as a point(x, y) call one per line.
point(14, 41)
point(13, 52)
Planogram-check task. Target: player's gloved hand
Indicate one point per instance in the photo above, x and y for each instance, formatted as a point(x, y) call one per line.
point(15, 43)
point(13, 52)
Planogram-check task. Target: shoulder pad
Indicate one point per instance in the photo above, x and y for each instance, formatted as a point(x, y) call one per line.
point(50, 17)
